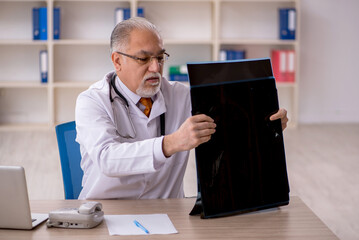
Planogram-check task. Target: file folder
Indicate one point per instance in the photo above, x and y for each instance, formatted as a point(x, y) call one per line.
point(126, 13)
point(283, 63)
point(232, 55)
point(35, 24)
point(287, 23)
point(56, 23)
point(43, 23)
point(43, 66)
point(140, 12)
point(119, 17)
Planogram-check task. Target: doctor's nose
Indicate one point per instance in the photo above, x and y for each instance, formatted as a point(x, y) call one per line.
point(155, 65)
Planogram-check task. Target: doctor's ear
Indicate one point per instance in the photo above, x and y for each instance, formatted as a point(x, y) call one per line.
point(116, 60)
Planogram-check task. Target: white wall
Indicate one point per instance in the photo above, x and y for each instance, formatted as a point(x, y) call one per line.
point(329, 61)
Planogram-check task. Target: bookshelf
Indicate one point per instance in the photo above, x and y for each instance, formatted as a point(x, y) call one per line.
point(192, 31)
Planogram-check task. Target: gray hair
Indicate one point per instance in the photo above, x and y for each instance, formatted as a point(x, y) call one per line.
point(121, 33)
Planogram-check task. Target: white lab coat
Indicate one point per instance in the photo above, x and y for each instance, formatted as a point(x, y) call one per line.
point(118, 167)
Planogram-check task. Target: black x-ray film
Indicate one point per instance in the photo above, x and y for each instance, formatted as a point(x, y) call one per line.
point(243, 167)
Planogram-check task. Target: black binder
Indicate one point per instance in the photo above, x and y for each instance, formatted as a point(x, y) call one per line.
point(243, 167)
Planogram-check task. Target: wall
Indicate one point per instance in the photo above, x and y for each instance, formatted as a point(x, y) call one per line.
point(329, 86)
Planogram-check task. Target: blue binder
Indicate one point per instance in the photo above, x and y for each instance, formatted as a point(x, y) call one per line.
point(287, 23)
point(43, 23)
point(233, 54)
point(56, 23)
point(240, 55)
point(179, 77)
point(43, 66)
point(140, 12)
point(126, 13)
point(119, 15)
point(35, 24)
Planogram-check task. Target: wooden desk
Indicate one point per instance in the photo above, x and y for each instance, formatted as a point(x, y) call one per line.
point(295, 221)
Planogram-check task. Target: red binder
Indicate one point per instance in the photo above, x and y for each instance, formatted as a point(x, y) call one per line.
point(283, 64)
point(290, 62)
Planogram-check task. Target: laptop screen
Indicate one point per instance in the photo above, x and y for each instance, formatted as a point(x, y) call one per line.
point(14, 201)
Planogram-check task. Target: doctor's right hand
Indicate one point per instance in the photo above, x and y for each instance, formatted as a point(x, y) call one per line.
point(193, 132)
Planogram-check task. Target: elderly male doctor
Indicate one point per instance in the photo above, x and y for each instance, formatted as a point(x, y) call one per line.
point(134, 127)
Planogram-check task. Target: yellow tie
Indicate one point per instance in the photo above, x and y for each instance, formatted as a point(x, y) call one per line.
point(147, 102)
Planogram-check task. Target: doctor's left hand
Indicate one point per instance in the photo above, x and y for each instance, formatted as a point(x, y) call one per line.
point(282, 115)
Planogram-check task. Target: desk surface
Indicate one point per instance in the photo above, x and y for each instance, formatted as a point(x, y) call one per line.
point(295, 221)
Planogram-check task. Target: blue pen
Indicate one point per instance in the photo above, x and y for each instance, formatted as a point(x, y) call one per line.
point(140, 226)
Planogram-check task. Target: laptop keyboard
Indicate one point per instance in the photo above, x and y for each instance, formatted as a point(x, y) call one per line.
point(33, 220)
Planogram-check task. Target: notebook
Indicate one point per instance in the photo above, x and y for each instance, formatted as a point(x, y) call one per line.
point(243, 167)
point(14, 200)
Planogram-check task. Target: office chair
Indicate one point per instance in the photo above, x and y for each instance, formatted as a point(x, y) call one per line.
point(70, 158)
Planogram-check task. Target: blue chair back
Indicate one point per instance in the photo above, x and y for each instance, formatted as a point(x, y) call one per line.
point(70, 158)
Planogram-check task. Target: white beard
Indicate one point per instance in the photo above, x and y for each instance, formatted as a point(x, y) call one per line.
point(146, 91)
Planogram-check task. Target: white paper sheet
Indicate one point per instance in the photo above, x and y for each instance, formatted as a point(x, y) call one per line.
point(154, 223)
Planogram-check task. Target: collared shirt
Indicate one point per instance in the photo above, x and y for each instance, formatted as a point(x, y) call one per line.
point(131, 95)
point(118, 167)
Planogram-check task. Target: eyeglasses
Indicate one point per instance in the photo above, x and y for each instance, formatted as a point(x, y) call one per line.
point(160, 58)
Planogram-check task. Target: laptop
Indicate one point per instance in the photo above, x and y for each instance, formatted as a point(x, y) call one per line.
point(14, 200)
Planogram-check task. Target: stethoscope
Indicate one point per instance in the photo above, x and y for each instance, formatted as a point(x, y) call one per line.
point(112, 84)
